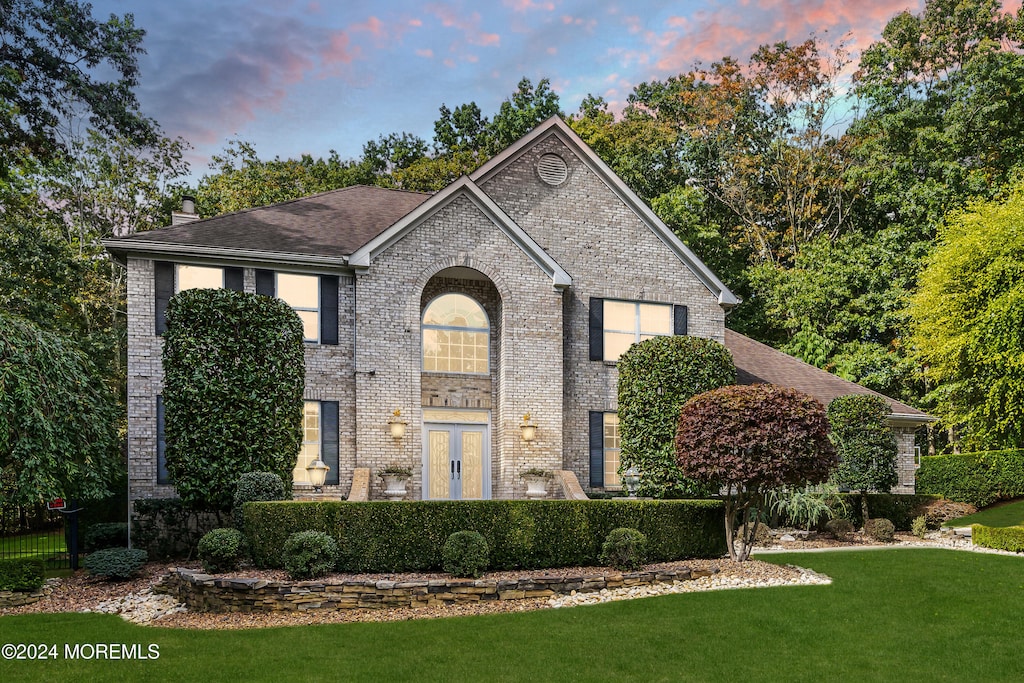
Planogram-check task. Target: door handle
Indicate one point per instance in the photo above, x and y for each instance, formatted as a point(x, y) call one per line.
point(453, 468)
point(458, 469)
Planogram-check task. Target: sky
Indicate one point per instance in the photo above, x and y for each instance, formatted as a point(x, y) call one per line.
point(310, 76)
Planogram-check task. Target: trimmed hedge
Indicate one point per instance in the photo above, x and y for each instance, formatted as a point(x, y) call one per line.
point(900, 509)
point(105, 535)
point(976, 478)
point(1001, 538)
point(21, 574)
point(389, 537)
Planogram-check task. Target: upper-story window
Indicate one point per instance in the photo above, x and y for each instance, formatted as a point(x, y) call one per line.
point(629, 322)
point(456, 335)
point(302, 293)
point(197, 277)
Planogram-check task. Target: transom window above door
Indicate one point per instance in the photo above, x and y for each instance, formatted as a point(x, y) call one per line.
point(456, 335)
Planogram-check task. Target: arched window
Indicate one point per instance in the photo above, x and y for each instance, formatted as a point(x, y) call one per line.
point(456, 335)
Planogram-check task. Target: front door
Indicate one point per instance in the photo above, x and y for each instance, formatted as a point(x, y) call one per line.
point(456, 459)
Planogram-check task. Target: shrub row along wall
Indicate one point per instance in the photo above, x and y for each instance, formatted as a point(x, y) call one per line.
point(204, 593)
point(976, 478)
point(900, 509)
point(1001, 538)
point(391, 537)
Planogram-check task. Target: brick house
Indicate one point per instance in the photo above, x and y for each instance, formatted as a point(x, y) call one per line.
point(510, 292)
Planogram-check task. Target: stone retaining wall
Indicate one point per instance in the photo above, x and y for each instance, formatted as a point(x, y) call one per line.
point(204, 593)
point(19, 598)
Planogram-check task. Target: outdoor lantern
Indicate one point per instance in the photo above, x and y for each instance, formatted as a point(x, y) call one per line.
point(529, 430)
point(631, 478)
point(317, 474)
point(397, 429)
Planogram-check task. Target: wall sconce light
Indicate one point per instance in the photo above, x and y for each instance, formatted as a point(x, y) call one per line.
point(318, 474)
point(631, 478)
point(397, 425)
point(529, 430)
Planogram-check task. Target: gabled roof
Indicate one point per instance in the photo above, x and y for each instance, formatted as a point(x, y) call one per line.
point(463, 187)
point(330, 225)
point(757, 363)
point(559, 128)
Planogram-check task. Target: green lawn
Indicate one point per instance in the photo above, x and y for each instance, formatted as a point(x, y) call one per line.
point(1004, 514)
point(899, 614)
point(43, 545)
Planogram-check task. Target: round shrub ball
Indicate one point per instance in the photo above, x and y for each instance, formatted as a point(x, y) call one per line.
point(309, 554)
point(465, 554)
point(115, 563)
point(221, 550)
point(840, 527)
point(624, 549)
point(881, 530)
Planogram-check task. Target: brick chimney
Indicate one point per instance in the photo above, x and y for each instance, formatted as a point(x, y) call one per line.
point(187, 213)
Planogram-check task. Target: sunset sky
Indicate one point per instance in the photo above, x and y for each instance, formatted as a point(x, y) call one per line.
point(302, 76)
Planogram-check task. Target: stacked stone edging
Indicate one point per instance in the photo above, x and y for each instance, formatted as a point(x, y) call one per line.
point(19, 598)
point(204, 593)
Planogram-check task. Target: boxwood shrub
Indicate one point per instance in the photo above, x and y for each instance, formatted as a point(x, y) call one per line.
point(21, 574)
point(389, 537)
point(976, 478)
point(1001, 538)
point(115, 563)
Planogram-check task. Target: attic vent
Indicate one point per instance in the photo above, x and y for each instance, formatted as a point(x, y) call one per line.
point(552, 169)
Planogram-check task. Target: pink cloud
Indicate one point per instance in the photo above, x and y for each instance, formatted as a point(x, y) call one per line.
point(339, 49)
point(428, 53)
point(526, 5)
point(468, 24)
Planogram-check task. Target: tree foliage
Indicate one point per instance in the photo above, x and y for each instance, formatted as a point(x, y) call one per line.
point(58, 419)
point(656, 377)
point(233, 379)
point(749, 440)
point(57, 62)
point(968, 323)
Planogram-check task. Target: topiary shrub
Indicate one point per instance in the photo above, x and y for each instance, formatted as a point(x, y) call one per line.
point(840, 528)
point(919, 527)
point(21, 574)
point(105, 535)
point(221, 550)
point(309, 554)
point(656, 377)
point(865, 443)
point(465, 554)
point(115, 563)
point(881, 530)
point(257, 487)
point(624, 549)
point(234, 373)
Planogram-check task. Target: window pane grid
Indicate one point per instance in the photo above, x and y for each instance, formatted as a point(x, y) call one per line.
point(310, 449)
point(612, 451)
point(455, 336)
point(629, 322)
point(302, 293)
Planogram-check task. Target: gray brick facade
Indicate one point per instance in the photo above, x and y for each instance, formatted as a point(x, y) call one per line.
point(531, 253)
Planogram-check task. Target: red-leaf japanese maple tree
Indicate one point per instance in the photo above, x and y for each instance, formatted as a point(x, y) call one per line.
point(749, 440)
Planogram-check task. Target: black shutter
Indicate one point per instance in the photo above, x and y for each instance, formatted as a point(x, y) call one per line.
point(233, 279)
point(596, 449)
point(679, 320)
point(162, 476)
point(163, 288)
point(596, 329)
point(265, 282)
point(329, 439)
point(328, 309)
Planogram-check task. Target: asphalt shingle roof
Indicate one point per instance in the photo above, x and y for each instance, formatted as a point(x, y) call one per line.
point(757, 363)
point(333, 223)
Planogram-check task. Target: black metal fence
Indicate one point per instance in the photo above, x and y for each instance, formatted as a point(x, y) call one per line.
point(32, 531)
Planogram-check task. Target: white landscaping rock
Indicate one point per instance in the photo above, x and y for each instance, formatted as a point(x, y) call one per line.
point(706, 583)
point(140, 608)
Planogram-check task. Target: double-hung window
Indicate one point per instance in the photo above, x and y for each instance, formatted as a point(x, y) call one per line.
point(629, 322)
point(605, 450)
point(197, 277)
point(302, 293)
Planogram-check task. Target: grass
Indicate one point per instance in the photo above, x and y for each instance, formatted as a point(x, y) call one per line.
point(1003, 514)
point(895, 614)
